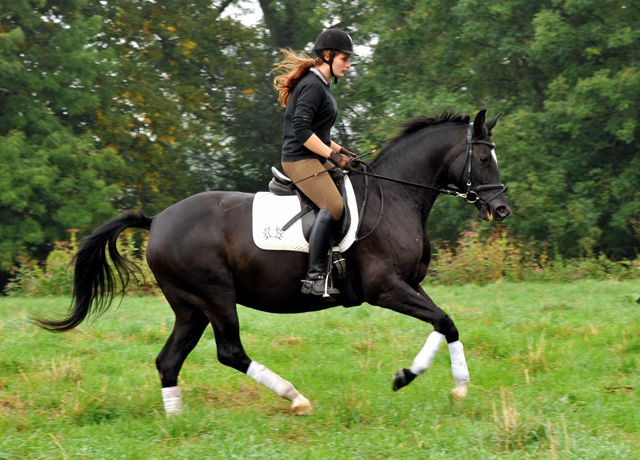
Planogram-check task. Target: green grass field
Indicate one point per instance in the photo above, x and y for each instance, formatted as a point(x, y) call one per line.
point(555, 372)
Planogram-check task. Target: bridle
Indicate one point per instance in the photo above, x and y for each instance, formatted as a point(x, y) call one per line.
point(471, 194)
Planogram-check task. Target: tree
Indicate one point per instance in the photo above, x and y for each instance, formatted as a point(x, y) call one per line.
point(52, 177)
point(181, 68)
point(133, 105)
point(587, 128)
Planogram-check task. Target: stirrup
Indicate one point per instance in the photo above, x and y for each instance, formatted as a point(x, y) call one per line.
point(318, 285)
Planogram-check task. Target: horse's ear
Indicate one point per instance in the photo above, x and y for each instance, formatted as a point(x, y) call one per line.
point(492, 123)
point(478, 123)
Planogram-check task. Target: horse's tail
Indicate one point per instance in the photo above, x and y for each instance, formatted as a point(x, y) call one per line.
point(95, 284)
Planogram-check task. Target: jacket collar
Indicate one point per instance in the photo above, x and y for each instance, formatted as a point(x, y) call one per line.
point(320, 75)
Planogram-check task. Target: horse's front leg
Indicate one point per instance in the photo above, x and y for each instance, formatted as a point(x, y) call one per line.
point(416, 303)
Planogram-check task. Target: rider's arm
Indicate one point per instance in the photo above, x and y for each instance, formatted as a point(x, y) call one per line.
point(318, 147)
point(335, 147)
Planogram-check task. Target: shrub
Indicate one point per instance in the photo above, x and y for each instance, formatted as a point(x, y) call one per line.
point(482, 259)
point(54, 277)
point(476, 258)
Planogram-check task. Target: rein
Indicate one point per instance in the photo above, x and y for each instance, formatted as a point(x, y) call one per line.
point(470, 195)
point(443, 190)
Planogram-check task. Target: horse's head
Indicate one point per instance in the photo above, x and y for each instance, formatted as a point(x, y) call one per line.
point(475, 171)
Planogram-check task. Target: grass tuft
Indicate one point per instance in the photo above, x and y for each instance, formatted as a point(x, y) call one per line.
point(513, 430)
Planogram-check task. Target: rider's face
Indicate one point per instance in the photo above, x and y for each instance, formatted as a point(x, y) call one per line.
point(341, 64)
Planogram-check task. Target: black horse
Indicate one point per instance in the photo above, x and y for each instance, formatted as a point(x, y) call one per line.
point(203, 256)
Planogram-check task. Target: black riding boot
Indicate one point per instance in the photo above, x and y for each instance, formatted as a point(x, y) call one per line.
point(319, 242)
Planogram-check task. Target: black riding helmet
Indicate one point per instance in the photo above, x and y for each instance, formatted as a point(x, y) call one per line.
point(333, 40)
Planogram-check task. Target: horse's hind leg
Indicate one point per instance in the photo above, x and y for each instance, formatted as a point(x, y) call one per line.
point(231, 353)
point(187, 331)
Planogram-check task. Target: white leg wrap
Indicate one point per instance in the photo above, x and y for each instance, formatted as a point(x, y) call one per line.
point(423, 360)
point(172, 399)
point(273, 381)
point(458, 363)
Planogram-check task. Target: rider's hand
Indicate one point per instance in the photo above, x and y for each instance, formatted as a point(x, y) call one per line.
point(340, 160)
point(347, 152)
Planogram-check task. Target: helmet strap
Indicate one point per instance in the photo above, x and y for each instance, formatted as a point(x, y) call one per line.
point(330, 62)
point(331, 56)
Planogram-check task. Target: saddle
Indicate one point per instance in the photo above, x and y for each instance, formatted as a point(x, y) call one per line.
point(282, 185)
point(282, 219)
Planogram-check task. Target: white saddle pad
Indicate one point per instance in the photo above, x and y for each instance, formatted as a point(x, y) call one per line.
point(271, 213)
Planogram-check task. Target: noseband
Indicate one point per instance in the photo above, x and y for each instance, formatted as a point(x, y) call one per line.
point(471, 194)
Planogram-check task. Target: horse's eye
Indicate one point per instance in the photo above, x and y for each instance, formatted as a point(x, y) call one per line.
point(484, 160)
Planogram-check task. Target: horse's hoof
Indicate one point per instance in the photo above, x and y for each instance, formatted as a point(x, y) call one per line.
point(301, 406)
point(459, 392)
point(402, 378)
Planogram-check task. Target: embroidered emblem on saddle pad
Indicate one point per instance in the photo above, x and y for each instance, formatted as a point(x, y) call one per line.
point(271, 213)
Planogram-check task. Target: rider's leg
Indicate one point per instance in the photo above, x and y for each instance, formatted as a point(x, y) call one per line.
point(312, 179)
point(319, 245)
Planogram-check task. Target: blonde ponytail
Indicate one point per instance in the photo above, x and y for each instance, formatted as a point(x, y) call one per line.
point(291, 69)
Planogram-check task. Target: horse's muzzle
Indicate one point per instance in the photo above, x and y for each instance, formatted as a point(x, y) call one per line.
point(496, 213)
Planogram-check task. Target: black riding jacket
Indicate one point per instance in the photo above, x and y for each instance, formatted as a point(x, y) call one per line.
point(311, 109)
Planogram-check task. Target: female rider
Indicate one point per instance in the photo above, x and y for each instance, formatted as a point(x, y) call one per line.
point(304, 88)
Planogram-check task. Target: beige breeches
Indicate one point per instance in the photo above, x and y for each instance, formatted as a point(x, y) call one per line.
point(319, 188)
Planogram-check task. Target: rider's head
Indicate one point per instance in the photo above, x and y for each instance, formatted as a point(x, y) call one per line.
point(328, 44)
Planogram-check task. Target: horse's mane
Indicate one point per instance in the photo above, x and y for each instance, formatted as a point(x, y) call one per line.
point(421, 122)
